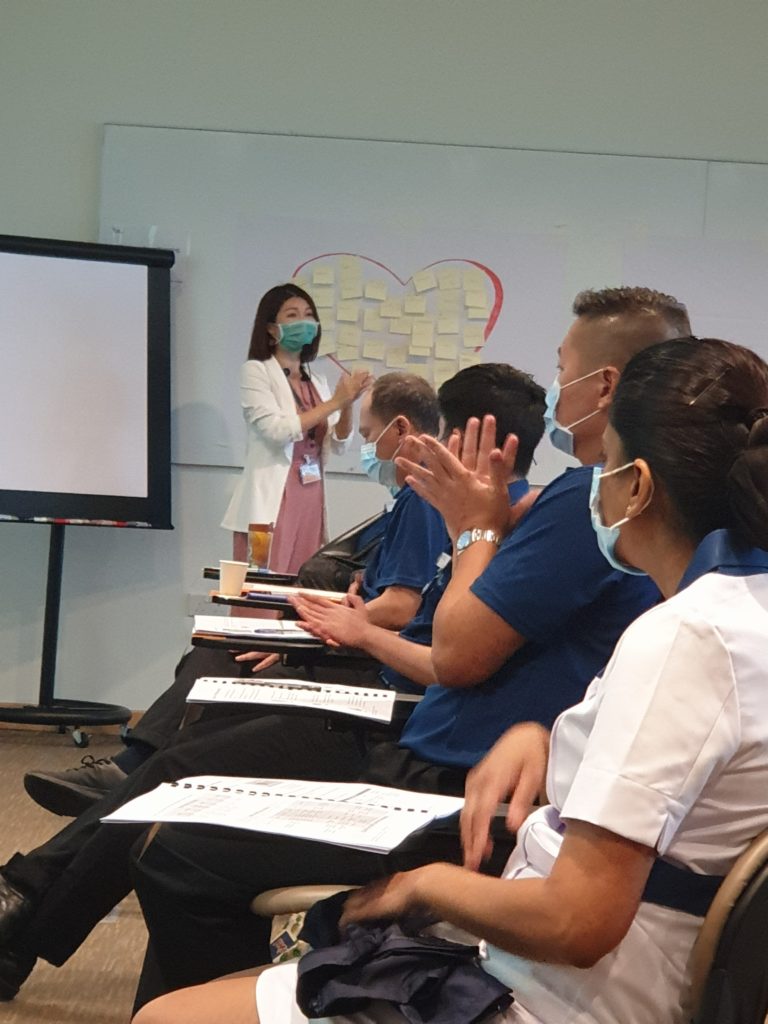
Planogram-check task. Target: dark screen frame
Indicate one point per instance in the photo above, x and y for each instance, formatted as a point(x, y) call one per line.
point(154, 510)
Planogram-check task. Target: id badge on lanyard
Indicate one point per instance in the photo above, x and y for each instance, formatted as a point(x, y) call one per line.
point(309, 470)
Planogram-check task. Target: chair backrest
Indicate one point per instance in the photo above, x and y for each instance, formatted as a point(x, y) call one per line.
point(332, 567)
point(729, 965)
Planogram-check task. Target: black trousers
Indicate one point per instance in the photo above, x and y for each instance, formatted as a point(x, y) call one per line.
point(195, 883)
point(83, 872)
point(160, 721)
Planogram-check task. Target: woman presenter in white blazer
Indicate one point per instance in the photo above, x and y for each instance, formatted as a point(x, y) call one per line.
point(657, 780)
point(293, 421)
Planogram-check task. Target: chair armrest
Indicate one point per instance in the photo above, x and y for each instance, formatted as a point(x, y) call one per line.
point(293, 899)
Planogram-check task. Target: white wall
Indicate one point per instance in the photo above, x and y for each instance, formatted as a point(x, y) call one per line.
point(684, 78)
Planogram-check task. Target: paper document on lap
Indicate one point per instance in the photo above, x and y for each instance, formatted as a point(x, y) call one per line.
point(348, 700)
point(274, 588)
point(351, 814)
point(232, 625)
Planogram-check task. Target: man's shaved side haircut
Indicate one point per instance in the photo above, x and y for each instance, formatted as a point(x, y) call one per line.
point(633, 302)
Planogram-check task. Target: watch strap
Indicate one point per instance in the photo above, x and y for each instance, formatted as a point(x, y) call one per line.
point(469, 537)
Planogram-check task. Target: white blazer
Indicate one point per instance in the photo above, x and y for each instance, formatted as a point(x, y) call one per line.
point(272, 420)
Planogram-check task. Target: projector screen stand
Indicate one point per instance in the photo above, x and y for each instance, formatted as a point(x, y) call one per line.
point(49, 710)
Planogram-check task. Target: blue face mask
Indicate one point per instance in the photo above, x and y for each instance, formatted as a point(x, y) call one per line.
point(608, 535)
point(297, 334)
point(562, 437)
point(381, 471)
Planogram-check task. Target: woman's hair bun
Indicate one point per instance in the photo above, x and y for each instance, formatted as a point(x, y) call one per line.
point(758, 428)
point(747, 484)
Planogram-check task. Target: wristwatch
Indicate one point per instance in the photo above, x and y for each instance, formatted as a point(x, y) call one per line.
point(470, 536)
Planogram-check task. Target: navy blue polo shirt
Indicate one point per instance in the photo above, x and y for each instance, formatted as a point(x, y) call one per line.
point(419, 629)
point(414, 537)
point(550, 582)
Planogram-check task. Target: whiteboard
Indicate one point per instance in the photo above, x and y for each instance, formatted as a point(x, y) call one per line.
point(495, 241)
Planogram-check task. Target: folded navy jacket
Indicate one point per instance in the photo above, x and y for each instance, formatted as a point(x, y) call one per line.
point(429, 980)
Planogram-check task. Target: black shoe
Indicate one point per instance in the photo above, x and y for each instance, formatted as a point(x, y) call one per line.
point(75, 790)
point(15, 967)
point(16, 910)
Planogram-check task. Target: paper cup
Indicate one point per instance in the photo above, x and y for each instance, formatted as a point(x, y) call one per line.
point(232, 577)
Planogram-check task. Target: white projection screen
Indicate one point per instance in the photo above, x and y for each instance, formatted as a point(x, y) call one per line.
point(85, 410)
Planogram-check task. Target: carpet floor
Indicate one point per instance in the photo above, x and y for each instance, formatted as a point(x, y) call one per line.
point(97, 984)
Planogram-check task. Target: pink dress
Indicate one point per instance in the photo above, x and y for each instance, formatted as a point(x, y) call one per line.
point(300, 526)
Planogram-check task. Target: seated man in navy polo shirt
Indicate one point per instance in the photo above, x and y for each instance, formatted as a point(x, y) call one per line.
point(414, 536)
point(526, 591)
point(517, 404)
point(573, 607)
point(398, 406)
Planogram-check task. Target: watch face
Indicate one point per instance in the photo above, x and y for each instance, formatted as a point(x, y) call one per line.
point(463, 540)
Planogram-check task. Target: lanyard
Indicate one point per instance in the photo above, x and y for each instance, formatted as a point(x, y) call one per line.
point(302, 397)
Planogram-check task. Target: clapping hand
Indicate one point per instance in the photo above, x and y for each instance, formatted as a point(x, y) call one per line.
point(351, 385)
point(514, 769)
point(386, 898)
point(465, 480)
point(338, 625)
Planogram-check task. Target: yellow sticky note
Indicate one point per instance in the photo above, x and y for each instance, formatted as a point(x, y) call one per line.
point(474, 279)
point(423, 280)
point(468, 359)
point(373, 349)
point(325, 298)
point(323, 275)
point(415, 304)
point(449, 277)
point(391, 308)
point(397, 357)
point(376, 290)
point(421, 370)
point(449, 303)
point(475, 300)
point(346, 355)
point(348, 312)
point(349, 336)
point(350, 278)
point(402, 325)
point(372, 321)
point(301, 282)
point(476, 313)
point(348, 261)
point(448, 325)
point(327, 343)
point(419, 350)
point(351, 290)
point(473, 335)
point(423, 333)
point(443, 371)
point(446, 348)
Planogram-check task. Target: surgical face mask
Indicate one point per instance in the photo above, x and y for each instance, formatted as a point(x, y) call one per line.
point(562, 437)
point(297, 334)
point(382, 471)
point(608, 535)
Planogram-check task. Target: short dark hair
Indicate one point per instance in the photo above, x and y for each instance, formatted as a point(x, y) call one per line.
point(639, 302)
point(500, 390)
point(697, 411)
point(406, 394)
point(262, 344)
